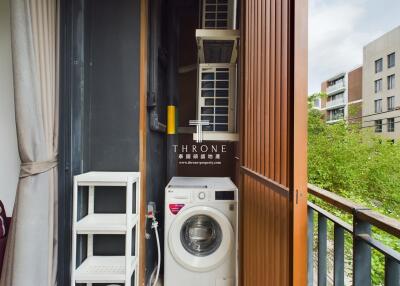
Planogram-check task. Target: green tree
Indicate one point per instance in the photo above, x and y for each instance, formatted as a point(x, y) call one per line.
point(355, 163)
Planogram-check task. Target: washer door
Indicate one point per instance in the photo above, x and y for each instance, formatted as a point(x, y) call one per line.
point(200, 238)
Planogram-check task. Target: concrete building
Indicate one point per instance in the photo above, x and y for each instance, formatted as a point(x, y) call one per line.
point(381, 96)
point(344, 96)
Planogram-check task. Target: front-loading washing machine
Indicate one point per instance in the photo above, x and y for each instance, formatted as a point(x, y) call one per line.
point(201, 219)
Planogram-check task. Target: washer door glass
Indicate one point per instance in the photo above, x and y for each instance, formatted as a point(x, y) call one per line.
point(201, 235)
point(200, 238)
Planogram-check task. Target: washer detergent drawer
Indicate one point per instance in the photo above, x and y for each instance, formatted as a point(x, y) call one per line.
point(225, 282)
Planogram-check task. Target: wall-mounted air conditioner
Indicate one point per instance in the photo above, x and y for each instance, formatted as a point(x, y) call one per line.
point(217, 38)
point(217, 101)
point(218, 14)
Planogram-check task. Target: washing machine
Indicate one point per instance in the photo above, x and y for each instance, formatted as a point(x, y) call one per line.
point(201, 238)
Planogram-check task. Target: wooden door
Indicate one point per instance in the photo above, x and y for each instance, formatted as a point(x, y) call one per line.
point(273, 78)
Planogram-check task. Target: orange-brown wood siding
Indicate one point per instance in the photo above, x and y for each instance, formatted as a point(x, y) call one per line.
point(142, 134)
point(273, 132)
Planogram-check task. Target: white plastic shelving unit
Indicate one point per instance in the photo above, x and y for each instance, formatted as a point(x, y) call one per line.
point(106, 269)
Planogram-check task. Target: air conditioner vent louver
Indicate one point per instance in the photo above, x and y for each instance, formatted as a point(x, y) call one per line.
point(216, 96)
point(217, 14)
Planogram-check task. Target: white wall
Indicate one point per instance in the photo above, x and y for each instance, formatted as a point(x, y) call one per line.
point(9, 158)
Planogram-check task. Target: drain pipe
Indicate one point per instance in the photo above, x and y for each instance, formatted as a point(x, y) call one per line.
point(172, 90)
point(152, 101)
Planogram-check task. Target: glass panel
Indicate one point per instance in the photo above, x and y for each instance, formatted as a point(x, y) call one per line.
point(391, 60)
point(201, 235)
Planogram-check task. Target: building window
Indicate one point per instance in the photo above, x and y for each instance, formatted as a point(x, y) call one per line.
point(317, 103)
point(390, 124)
point(391, 60)
point(378, 126)
point(378, 65)
point(378, 106)
point(336, 114)
point(336, 99)
point(378, 85)
point(391, 81)
point(390, 103)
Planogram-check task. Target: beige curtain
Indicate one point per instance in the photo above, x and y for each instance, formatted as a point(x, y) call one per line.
point(31, 254)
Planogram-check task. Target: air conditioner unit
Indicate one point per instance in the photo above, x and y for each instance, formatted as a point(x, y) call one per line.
point(217, 101)
point(218, 14)
point(217, 38)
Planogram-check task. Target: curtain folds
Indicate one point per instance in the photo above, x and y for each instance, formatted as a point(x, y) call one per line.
point(31, 254)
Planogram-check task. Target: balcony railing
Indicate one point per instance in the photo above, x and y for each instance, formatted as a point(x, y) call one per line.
point(335, 117)
point(335, 87)
point(335, 102)
point(362, 242)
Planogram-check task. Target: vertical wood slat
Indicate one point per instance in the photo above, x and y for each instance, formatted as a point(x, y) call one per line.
point(266, 64)
point(142, 134)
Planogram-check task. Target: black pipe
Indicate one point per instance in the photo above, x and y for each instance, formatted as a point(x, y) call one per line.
point(152, 97)
point(172, 90)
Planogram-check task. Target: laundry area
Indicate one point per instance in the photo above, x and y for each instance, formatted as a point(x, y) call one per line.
point(176, 217)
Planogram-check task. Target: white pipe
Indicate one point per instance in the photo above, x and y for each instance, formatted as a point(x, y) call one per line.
point(158, 251)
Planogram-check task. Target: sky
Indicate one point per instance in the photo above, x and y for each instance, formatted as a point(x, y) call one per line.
point(338, 31)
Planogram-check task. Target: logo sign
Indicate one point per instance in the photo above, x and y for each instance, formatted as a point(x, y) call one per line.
point(199, 153)
point(199, 128)
point(175, 208)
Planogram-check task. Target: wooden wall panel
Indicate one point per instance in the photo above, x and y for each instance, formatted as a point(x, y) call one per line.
point(143, 135)
point(273, 142)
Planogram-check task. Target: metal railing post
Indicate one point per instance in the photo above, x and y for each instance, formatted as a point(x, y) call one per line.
point(322, 249)
point(361, 253)
point(338, 261)
point(392, 272)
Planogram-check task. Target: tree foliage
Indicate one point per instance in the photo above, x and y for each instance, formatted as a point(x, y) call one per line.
point(359, 165)
point(355, 163)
